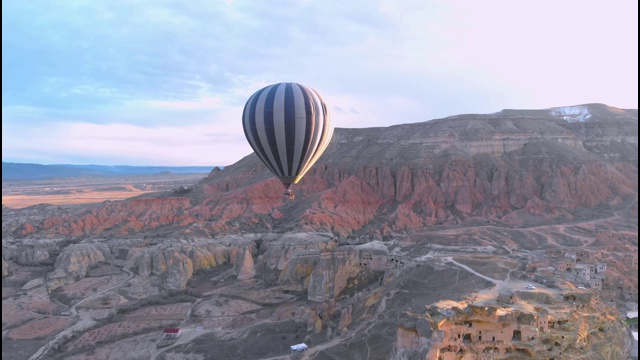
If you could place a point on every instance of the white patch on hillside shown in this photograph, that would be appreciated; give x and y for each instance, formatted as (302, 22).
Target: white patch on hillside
(373, 245)
(572, 113)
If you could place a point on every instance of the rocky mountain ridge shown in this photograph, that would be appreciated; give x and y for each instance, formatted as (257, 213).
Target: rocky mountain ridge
(408, 242)
(380, 181)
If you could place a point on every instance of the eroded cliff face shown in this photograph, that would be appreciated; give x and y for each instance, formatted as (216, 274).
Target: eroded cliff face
(26, 255)
(76, 259)
(5, 268)
(314, 261)
(329, 277)
(320, 265)
(380, 181)
(589, 330)
(176, 263)
(366, 299)
(32, 257)
(244, 266)
(374, 200)
(297, 264)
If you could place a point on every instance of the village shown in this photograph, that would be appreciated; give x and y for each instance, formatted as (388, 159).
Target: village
(586, 269)
(514, 297)
(556, 271)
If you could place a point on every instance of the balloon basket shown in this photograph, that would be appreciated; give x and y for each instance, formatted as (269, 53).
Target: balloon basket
(289, 195)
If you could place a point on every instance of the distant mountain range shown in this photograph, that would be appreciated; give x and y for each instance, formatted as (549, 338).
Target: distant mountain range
(25, 171)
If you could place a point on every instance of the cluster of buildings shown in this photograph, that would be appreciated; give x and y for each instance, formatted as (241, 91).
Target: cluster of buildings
(465, 333)
(569, 266)
(577, 268)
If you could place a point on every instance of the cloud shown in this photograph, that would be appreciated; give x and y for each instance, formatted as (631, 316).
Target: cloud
(159, 66)
(138, 133)
(209, 144)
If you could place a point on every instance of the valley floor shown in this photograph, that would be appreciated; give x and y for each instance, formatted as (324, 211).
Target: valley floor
(367, 304)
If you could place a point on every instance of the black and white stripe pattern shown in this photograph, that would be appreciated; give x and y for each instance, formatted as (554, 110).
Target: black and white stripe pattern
(288, 126)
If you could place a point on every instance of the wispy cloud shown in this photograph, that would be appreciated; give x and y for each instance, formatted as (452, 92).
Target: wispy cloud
(156, 68)
(213, 144)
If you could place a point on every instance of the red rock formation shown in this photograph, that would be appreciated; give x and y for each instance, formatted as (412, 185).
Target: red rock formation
(386, 180)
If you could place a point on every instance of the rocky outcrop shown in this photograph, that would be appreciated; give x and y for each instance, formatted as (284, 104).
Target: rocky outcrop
(299, 267)
(382, 181)
(23, 253)
(32, 256)
(153, 260)
(496, 332)
(244, 267)
(330, 276)
(5, 268)
(176, 262)
(76, 259)
(313, 260)
(323, 267)
(179, 269)
(345, 317)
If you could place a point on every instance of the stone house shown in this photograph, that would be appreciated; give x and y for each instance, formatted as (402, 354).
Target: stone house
(582, 272)
(564, 265)
(483, 328)
(475, 332)
(596, 282)
(506, 297)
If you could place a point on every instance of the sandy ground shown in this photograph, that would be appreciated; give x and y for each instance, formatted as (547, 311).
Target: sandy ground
(234, 310)
(68, 191)
(39, 328)
(21, 201)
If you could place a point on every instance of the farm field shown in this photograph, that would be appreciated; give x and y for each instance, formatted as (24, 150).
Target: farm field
(70, 191)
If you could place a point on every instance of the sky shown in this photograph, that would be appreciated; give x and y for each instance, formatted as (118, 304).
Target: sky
(164, 82)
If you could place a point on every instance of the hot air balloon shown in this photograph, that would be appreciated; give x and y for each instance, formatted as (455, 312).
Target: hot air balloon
(288, 126)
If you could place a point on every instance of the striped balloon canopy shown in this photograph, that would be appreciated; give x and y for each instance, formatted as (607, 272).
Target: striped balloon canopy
(288, 126)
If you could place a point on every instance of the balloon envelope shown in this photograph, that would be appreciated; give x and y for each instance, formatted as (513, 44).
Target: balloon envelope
(288, 126)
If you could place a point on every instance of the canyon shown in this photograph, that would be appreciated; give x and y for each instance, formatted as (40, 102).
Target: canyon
(415, 241)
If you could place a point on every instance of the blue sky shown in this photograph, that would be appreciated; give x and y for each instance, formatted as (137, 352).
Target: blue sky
(159, 82)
